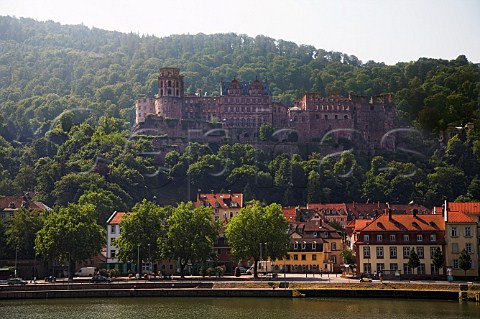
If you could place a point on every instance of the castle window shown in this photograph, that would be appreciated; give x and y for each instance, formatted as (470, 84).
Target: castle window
(178, 93)
(336, 116)
(169, 91)
(326, 116)
(169, 83)
(346, 117)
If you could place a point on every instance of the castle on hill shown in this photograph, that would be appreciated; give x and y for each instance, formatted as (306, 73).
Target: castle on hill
(242, 108)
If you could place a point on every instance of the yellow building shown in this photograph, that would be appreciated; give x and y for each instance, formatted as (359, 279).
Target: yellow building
(315, 247)
(460, 234)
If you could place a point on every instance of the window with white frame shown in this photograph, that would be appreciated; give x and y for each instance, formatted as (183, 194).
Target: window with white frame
(295, 245)
(406, 237)
(468, 231)
(366, 238)
(468, 248)
(314, 245)
(433, 237)
(112, 253)
(304, 245)
(453, 232)
(406, 269)
(406, 252)
(420, 252)
(419, 237)
(432, 251)
(455, 264)
(113, 229)
(393, 237)
(334, 246)
(380, 267)
(379, 252)
(334, 259)
(379, 238)
(393, 266)
(393, 252)
(366, 252)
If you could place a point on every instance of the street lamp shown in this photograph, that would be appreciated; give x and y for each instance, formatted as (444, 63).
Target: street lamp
(16, 253)
(35, 264)
(149, 259)
(138, 261)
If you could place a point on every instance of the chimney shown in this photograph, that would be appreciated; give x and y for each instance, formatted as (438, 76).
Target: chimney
(445, 211)
(389, 214)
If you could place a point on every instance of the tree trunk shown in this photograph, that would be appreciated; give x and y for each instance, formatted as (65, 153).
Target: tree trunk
(71, 268)
(255, 272)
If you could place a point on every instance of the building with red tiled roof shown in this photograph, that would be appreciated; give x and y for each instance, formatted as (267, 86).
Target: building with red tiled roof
(331, 212)
(461, 233)
(113, 232)
(315, 246)
(384, 245)
(224, 205)
(10, 204)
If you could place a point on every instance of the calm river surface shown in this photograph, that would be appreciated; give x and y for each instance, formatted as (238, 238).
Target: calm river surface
(260, 308)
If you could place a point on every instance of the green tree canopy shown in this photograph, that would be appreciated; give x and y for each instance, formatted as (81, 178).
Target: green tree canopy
(413, 260)
(256, 226)
(142, 232)
(191, 235)
(464, 261)
(70, 234)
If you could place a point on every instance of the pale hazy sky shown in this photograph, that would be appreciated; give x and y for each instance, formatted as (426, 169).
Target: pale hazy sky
(387, 31)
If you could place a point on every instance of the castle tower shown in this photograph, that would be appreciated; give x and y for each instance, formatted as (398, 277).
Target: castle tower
(170, 93)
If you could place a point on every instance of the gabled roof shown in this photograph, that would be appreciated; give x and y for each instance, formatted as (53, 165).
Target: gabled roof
(339, 209)
(17, 202)
(406, 222)
(220, 200)
(290, 213)
(116, 218)
(361, 224)
(459, 217)
(471, 208)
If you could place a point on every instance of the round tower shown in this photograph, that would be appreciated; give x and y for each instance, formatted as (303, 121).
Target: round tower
(170, 93)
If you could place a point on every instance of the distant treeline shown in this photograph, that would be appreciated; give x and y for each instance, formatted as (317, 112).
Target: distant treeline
(47, 69)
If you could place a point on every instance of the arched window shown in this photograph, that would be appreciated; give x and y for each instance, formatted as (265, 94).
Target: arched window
(169, 83)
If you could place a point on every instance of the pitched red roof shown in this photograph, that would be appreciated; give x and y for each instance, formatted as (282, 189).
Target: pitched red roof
(459, 217)
(17, 202)
(220, 200)
(406, 222)
(116, 218)
(361, 224)
(336, 207)
(471, 208)
(290, 213)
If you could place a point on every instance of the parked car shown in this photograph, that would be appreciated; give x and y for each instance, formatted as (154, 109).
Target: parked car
(101, 279)
(365, 278)
(243, 270)
(16, 281)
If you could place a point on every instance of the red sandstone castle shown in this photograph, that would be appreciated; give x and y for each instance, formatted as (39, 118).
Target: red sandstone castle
(242, 107)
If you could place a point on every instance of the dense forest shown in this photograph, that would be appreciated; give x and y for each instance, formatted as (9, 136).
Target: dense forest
(67, 96)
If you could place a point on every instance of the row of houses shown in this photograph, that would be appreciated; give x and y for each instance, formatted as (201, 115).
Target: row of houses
(381, 236)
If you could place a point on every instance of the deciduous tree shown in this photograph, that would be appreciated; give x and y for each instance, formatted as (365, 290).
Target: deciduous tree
(256, 226)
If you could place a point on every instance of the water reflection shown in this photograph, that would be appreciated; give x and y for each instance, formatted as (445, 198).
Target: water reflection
(265, 308)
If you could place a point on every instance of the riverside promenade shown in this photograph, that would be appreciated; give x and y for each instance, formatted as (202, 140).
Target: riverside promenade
(292, 285)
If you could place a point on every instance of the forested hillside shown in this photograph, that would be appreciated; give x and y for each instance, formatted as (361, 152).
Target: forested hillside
(87, 155)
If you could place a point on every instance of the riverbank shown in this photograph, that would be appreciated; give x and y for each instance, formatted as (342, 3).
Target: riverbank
(241, 289)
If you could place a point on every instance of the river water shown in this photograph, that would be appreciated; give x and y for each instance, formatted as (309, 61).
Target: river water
(251, 308)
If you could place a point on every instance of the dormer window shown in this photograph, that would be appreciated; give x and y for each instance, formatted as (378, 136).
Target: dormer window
(304, 245)
(314, 245)
(295, 245)
(315, 234)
